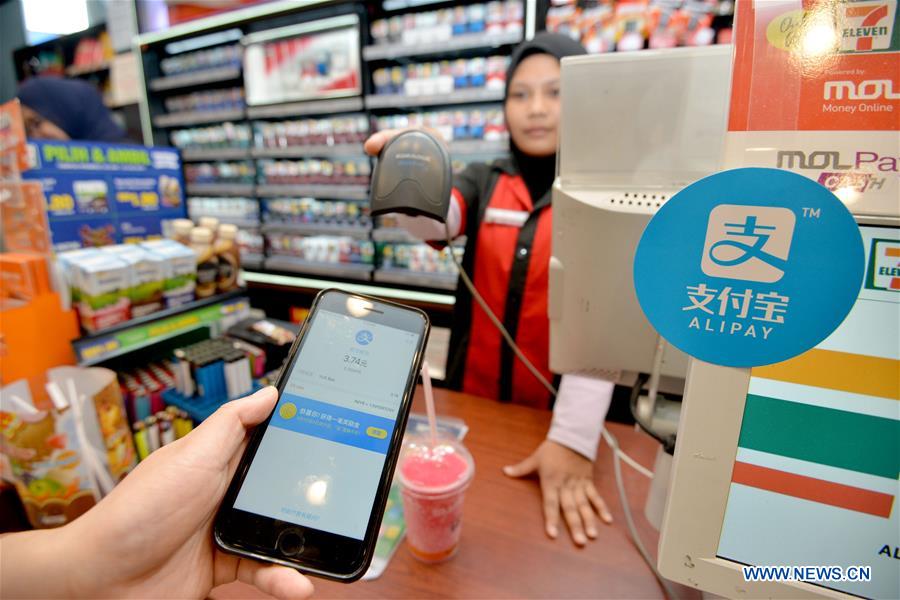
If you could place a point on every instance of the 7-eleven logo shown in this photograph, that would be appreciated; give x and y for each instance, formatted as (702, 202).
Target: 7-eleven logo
(884, 266)
(867, 26)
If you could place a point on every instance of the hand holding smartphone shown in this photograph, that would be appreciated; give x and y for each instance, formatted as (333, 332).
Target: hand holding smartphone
(311, 487)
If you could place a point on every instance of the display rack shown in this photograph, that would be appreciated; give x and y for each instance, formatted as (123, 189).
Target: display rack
(202, 154)
(256, 23)
(308, 150)
(194, 79)
(199, 408)
(156, 327)
(354, 231)
(308, 107)
(237, 190)
(292, 264)
(464, 96)
(335, 192)
(196, 117)
(470, 41)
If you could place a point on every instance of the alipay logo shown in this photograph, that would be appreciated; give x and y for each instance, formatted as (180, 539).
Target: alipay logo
(364, 337)
(750, 243)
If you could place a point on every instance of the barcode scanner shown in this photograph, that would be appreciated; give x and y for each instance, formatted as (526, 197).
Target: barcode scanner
(413, 177)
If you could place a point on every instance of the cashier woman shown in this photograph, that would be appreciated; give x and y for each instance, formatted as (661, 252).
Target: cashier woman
(503, 208)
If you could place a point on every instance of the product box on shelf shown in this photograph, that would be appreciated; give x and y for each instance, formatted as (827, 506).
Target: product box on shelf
(146, 277)
(23, 275)
(100, 283)
(99, 194)
(306, 65)
(179, 269)
(213, 137)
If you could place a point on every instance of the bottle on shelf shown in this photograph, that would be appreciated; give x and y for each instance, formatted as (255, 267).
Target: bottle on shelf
(229, 257)
(211, 223)
(207, 261)
(182, 231)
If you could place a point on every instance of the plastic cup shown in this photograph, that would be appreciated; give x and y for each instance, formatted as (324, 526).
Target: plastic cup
(433, 480)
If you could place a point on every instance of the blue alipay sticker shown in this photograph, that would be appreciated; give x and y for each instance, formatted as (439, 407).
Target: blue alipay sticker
(749, 267)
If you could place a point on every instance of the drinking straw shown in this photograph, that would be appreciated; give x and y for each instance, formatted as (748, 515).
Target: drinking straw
(429, 402)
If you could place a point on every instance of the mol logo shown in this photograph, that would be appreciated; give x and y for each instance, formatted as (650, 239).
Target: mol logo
(819, 159)
(867, 26)
(874, 89)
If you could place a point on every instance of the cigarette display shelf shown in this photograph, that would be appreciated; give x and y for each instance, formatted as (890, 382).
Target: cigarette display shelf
(195, 78)
(334, 192)
(463, 96)
(197, 117)
(270, 17)
(395, 235)
(199, 408)
(309, 150)
(200, 154)
(440, 281)
(292, 264)
(354, 231)
(141, 332)
(220, 189)
(240, 223)
(470, 41)
(326, 106)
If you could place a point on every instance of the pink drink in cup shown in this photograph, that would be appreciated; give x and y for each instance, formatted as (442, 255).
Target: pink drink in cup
(433, 480)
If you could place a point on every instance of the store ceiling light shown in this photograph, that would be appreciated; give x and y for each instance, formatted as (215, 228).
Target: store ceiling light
(55, 16)
(204, 41)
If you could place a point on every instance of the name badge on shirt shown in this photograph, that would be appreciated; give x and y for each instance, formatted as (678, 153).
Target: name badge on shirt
(504, 216)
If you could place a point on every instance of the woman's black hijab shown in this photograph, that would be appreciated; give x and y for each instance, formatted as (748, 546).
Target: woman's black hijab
(538, 171)
(73, 105)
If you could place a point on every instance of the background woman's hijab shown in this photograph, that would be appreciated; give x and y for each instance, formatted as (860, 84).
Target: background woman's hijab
(538, 171)
(73, 105)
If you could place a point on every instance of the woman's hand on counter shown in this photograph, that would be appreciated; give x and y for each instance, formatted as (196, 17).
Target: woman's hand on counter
(567, 486)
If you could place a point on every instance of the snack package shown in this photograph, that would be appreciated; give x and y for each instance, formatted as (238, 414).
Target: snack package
(44, 459)
(104, 418)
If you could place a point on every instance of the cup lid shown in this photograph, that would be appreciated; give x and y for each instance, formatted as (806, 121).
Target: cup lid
(434, 468)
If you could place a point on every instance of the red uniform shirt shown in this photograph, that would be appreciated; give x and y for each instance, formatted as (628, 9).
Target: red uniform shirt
(510, 253)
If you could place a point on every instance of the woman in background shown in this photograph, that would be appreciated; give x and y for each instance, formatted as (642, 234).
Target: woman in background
(66, 109)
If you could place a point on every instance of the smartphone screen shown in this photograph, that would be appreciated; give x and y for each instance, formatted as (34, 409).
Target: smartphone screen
(321, 458)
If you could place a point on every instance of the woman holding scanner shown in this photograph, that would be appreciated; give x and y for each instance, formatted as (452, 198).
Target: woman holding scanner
(503, 208)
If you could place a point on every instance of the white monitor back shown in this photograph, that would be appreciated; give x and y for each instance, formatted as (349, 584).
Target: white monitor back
(635, 129)
(649, 119)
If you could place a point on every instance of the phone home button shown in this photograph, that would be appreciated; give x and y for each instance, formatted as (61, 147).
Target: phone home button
(290, 541)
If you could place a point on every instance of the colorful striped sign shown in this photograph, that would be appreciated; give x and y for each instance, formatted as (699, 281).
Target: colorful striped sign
(855, 373)
(837, 438)
(847, 497)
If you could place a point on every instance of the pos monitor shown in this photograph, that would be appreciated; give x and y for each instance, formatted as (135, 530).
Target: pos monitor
(797, 463)
(635, 129)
